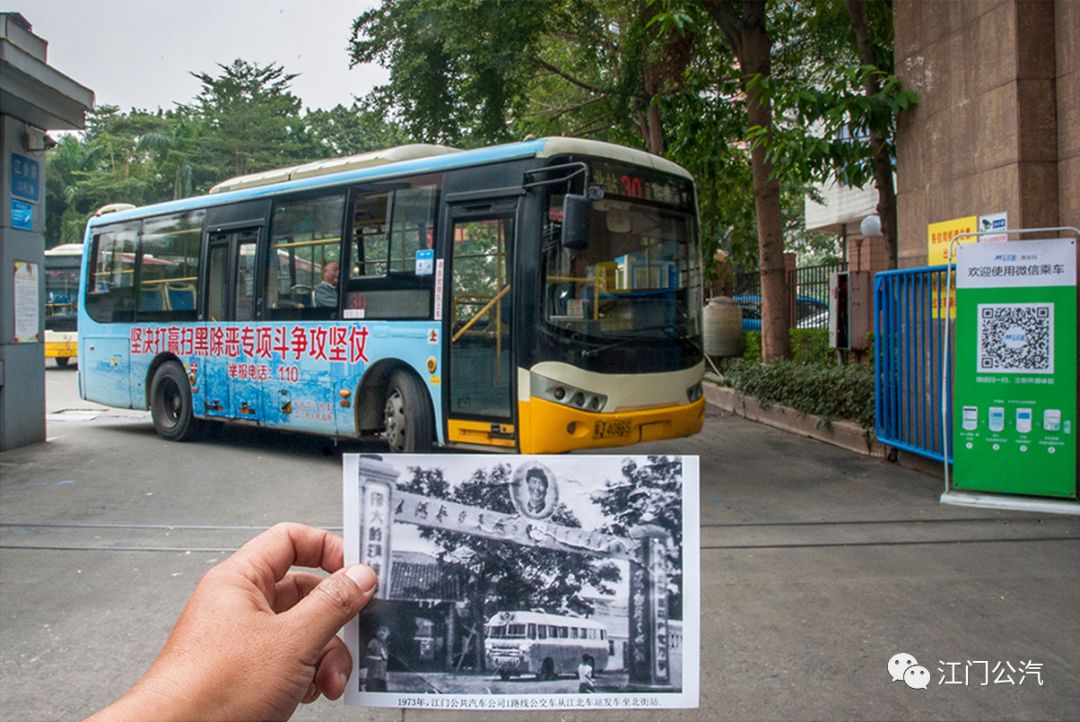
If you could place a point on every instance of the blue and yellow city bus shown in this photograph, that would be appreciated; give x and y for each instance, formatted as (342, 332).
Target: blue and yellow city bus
(61, 300)
(538, 297)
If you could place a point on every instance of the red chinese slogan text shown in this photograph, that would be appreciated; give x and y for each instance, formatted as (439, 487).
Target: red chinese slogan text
(340, 344)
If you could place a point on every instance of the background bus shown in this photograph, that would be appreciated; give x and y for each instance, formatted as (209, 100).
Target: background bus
(546, 645)
(61, 302)
(539, 296)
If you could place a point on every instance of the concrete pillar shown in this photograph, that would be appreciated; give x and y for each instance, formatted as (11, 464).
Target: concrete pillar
(649, 643)
(377, 481)
(22, 251)
(34, 97)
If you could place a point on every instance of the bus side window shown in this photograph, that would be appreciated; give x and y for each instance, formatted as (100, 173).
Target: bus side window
(542, 631)
(303, 270)
(573, 633)
(391, 265)
(169, 266)
(532, 631)
(110, 294)
(603, 634)
(370, 241)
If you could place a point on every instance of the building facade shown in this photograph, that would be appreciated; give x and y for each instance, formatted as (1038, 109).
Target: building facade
(997, 126)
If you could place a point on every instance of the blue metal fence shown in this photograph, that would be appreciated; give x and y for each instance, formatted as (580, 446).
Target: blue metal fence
(910, 323)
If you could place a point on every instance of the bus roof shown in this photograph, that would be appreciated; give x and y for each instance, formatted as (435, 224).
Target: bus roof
(424, 160)
(65, 249)
(525, 617)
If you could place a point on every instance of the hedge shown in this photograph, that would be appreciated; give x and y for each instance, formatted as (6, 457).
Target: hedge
(825, 390)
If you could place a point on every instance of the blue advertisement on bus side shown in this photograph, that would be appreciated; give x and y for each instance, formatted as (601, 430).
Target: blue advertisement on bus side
(293, 375)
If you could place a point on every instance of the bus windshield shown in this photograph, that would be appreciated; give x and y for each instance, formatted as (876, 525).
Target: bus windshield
(61, 289)
(636, 277)
(507, 631)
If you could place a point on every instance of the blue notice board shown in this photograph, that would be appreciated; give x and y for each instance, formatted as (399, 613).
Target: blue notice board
(22, 216)
(25, 177)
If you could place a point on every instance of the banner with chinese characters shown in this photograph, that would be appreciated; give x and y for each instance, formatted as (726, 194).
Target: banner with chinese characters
(1014, 421)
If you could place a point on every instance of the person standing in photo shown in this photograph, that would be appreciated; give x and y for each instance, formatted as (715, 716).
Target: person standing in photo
(585, 675)
(378, 655)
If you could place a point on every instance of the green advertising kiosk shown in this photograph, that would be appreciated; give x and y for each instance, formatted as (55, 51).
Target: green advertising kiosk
(1014, 408)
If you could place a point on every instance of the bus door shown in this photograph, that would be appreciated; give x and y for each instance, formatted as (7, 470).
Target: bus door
(477, 326)
(230, 377)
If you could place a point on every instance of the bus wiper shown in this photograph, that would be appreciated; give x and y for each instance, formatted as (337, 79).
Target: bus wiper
(620, 341)
(624, 340)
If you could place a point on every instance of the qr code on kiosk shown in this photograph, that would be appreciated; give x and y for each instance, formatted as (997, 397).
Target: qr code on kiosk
(1016, 338)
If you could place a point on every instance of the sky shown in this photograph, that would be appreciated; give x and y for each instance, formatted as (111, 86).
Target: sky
(140, 54)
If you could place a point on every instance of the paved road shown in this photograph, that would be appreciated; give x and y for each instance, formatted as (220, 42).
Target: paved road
(817, 566)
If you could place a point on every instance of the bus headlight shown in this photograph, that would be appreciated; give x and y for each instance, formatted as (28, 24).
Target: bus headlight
(565, 394)
(694, 392)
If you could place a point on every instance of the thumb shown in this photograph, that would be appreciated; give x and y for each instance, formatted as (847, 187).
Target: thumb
(332, 603)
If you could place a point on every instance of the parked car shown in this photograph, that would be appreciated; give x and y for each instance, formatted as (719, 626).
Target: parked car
(809, 312)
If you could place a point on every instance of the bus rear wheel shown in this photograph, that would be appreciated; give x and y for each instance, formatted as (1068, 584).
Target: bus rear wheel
(170, 404)
(407, 418)
(547, 669)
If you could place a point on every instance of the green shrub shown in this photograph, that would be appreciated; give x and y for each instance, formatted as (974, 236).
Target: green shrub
(751, 343)
(828, 391)
(808, 346)
(811, 346)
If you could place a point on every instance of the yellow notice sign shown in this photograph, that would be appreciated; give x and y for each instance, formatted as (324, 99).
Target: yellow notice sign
(938, 236)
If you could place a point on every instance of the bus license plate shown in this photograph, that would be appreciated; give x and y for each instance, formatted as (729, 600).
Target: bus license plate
(609, 429)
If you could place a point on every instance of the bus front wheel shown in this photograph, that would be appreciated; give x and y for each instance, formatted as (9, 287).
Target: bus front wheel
(62, 361)
(407, 419)
(170, 404)
(547, 669)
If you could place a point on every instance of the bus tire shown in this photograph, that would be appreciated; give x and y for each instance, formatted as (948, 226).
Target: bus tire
(170, 404)
(504, 675)
(547, 669)
(407, 417)
(62, 361)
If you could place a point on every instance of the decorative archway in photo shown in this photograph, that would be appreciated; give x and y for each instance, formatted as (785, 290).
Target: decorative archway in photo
(382, 504)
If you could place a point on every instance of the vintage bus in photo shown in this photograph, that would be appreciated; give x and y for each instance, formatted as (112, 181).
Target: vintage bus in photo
(537, 297)
(544, 645)
(62, 265)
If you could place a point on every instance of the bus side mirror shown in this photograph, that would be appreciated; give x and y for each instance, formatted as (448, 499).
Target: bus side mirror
(575, 225)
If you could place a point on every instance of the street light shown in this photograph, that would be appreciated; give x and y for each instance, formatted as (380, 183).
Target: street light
(870, 226)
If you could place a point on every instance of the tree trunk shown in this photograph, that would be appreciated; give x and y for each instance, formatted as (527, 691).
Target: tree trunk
(652, 128)
(879, 148)
(750, 40)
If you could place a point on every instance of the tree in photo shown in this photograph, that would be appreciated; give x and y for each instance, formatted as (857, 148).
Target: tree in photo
(650, 494)
(504, 576)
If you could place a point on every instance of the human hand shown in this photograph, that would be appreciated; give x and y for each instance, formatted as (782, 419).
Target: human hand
(255, 639)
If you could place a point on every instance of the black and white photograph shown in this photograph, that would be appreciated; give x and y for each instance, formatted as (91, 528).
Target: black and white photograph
(524, 582)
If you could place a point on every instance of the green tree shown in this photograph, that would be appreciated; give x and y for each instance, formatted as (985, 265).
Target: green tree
(494, 573)
(67, 206)
(841, 100)
(342, 131)
(456, 66)
(252, 117)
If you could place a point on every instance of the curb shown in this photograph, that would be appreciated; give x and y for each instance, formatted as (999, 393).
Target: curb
(844, 434)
